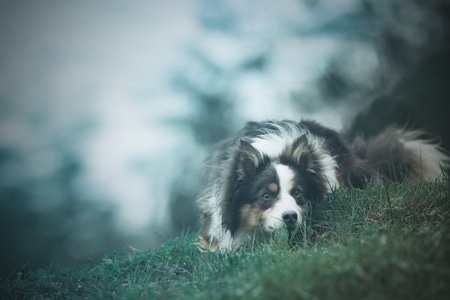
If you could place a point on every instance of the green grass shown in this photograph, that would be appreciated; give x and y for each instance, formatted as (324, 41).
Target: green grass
(380, 243)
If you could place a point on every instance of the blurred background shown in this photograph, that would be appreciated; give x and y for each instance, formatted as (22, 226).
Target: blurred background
(108, 108)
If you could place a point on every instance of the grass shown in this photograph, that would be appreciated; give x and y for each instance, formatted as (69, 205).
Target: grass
(385, 242)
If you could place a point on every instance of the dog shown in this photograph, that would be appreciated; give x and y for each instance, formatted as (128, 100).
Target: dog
(266, 177)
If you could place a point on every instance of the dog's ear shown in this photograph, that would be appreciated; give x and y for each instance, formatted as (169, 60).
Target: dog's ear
(298, 153)
(249, 159)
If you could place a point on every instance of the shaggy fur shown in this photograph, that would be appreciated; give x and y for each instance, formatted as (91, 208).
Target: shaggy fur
(265, 177)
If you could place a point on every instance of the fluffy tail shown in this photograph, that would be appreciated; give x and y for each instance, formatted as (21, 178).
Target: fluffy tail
(397, 153)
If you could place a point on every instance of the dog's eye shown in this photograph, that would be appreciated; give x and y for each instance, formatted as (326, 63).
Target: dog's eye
(267, 196)
(297, 193)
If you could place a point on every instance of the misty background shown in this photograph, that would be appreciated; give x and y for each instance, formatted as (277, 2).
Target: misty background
(108, 108)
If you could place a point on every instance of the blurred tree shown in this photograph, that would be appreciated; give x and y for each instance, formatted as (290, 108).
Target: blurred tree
(47, 220)
(419, 100)
(414, 50)
(410, 85)
(216, 15)
(212, 119)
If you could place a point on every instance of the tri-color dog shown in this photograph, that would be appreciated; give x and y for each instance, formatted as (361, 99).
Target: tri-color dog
(265, 177)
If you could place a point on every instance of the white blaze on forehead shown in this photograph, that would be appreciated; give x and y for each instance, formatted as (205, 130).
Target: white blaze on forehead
(286, 176)
(285, 202)
(272, 144)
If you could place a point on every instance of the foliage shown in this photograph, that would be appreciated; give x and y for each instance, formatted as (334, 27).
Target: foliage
(386, 242)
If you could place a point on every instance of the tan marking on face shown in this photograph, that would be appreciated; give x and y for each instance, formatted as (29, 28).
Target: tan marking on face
(248, 217)
(291, 186)
(305, 208)
(273, 188)
(263, 215)
(252, 217)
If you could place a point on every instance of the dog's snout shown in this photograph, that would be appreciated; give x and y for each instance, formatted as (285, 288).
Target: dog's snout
(290, 217)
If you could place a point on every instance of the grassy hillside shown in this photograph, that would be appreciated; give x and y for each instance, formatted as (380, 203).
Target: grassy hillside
(385, 242)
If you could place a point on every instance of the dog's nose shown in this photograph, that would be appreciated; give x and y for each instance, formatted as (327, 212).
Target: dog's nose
(290, 217)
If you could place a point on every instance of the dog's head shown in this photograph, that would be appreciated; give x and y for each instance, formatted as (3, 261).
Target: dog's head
(271, 193)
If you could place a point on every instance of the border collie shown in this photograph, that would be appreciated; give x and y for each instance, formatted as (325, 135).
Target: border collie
(265, 177)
